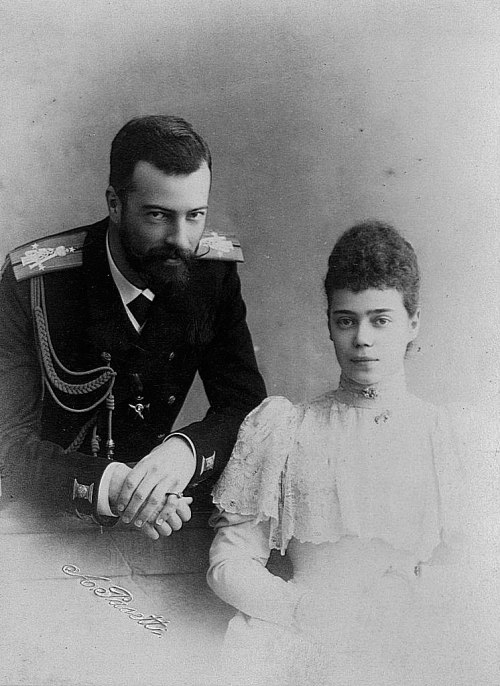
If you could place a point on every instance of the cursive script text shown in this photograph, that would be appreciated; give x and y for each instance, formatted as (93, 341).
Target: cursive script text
(119, 598)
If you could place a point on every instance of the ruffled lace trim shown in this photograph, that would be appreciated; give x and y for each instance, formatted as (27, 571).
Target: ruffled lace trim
(279, 471)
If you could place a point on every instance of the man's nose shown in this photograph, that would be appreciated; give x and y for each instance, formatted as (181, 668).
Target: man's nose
(363, 335)
(178, 233)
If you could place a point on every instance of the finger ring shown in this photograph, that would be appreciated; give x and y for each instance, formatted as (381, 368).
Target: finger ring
(179, 495)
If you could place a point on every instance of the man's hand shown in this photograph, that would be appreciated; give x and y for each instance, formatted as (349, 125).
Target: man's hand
(120, 473)
(166, 470)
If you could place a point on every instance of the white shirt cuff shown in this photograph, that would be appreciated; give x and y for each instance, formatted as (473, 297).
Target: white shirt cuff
(103, 507)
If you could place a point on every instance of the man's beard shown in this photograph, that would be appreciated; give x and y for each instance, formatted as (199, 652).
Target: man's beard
(170, 280)
(158, 275)
(153, 268)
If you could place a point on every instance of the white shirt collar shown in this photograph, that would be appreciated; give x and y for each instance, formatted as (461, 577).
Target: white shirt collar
(127, 290)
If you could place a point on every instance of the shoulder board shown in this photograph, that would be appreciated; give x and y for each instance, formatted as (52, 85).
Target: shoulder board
(220, 245)
(50, 254)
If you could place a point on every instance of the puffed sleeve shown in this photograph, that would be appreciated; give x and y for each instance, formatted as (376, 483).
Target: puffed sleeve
(248, 523)
(255, 479)
(475, 438)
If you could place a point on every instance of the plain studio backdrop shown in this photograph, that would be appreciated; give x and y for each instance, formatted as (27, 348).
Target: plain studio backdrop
(319, 114)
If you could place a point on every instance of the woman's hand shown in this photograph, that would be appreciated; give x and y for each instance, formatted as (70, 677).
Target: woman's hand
(173, 515)
(325, 615)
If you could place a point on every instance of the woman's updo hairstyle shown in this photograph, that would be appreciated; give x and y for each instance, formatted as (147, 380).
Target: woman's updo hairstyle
(374, 255)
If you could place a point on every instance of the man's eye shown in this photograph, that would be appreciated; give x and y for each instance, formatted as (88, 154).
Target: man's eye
(382, 321)
(156, 214)
(199, 214)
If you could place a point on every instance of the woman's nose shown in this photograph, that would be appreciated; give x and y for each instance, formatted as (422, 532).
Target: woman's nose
(363, 335)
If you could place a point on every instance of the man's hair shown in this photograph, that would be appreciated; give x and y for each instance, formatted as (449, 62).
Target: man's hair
(169, 143)
(374, 255)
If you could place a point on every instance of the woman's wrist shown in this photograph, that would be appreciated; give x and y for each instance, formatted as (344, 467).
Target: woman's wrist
(315, 617)
(304, 612)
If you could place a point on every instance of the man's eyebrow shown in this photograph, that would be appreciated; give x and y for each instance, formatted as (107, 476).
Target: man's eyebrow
(169, 209)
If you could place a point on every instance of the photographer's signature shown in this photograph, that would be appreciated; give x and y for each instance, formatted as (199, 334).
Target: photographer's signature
(119, 598)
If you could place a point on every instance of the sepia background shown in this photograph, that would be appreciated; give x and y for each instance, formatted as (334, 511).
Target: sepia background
(319, 114)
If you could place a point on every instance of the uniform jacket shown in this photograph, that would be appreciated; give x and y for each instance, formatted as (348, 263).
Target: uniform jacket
(203, 330)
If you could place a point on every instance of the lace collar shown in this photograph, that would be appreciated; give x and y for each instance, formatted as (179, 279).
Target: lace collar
(387, 394)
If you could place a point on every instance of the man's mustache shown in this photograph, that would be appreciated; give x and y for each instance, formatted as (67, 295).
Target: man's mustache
(167, 253)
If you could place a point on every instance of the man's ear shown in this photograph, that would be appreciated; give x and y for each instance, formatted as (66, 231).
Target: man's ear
(114, 204)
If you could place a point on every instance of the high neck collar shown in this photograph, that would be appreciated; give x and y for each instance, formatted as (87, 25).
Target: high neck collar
(385, 393)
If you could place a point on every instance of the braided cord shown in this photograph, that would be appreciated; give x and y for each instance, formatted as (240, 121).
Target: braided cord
(80, 437)
(83, 409)
(48, 355)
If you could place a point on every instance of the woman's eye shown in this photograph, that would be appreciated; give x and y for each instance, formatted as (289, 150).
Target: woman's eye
(344, 323)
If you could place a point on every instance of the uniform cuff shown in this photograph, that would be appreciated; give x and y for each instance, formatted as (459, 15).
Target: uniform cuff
(84, 492)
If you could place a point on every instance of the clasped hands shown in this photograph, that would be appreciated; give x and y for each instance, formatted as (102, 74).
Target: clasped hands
(146, 495)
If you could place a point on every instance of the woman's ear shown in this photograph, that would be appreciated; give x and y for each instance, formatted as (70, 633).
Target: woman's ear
(329, 324)
(415, 324)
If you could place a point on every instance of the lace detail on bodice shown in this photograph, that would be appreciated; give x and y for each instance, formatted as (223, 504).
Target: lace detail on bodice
(323, 470)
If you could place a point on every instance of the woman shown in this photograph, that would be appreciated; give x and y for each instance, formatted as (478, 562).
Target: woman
(365, 489)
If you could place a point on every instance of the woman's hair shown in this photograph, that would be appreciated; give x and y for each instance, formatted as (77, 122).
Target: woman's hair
(374, 255)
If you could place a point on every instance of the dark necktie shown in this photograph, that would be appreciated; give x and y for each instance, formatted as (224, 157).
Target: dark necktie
(139, 307)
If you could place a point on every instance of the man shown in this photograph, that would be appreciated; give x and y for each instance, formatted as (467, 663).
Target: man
(102, 330)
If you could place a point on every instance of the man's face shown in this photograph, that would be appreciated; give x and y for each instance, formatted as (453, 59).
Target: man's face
(159, 223)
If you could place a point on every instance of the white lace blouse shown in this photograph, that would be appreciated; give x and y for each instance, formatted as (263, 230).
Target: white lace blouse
(381, 467)
(389, 509)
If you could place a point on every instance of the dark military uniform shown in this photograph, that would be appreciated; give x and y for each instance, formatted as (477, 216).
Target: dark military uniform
(64, 316)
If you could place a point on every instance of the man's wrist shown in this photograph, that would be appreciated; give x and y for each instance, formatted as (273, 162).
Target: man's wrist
(187, 442)
(204, 465)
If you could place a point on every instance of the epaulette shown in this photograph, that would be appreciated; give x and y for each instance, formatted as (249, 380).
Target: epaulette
(219, 245)
(49, 254)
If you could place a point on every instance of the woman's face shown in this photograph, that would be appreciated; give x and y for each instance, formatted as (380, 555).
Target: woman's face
(371, 331)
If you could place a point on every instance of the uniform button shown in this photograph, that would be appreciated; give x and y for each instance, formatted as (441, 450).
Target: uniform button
(171, 400)
(171, 357)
